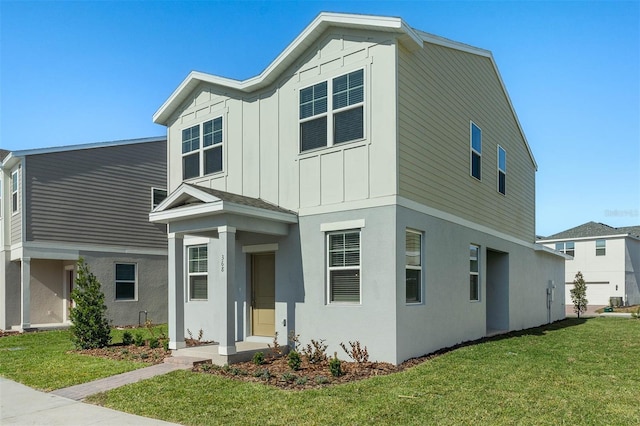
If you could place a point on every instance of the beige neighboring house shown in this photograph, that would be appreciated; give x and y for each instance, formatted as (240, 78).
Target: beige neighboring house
(373, 183)
(608, 257)
(91, 201)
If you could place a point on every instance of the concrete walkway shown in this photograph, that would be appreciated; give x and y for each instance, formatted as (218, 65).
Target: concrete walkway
(21, 405)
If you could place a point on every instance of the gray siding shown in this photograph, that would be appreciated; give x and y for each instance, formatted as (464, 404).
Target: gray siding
(439, 91)
(96, 196)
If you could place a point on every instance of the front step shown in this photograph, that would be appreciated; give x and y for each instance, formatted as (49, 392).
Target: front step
(188, 361)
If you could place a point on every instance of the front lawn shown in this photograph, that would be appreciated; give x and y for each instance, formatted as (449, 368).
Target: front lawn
(575, 372)
(42, 360)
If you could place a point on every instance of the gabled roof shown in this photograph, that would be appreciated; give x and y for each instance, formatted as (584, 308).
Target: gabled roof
(193, 201)
(410, 37)
(594, 229)
(3, 153)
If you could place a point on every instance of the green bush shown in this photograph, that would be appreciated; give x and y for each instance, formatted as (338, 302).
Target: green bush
(258, 358)
(127, 338)
(90, 327)
(294, 360)
(138, 339)
(335, 366)
(154, 343)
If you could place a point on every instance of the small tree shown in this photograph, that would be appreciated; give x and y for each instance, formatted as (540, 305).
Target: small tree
(90, 327)
(579, 294)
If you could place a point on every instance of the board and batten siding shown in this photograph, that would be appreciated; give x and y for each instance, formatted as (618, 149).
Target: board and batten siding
(261, 157)
(16, 218)
(440, 90)
(98, 196)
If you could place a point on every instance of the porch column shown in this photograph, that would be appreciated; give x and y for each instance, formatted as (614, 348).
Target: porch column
(225, 290)
(176, 291)
(25, 293)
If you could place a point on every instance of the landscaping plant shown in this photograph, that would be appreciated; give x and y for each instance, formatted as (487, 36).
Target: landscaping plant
(90, 327)
(579, 294)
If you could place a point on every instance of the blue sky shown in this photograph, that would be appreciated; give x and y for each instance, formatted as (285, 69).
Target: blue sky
(79, 72)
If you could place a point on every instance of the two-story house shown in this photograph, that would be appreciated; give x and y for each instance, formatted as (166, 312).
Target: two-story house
(91, 201)
(608, 257)
(372, 183)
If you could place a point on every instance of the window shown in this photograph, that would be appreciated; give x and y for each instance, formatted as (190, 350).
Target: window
(14, 192)
(601, 247)
(157, 196)
(198, 273)
(502, 170)
(344, 109)
(125, 281)
(0, 195)
(476, 151)
(413, 255)
(343, 259)
(474, 273)
(206, 156)
(567, 248)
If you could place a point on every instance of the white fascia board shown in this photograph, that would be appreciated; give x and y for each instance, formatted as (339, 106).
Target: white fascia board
(10, 161)
(602, 237)
(185, 189)
(219, 207)
(78, 147)
(285, 58)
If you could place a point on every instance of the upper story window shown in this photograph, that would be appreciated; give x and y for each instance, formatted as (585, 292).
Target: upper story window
(413, 268)
(329, 120)
(475, 142)
(502, 170)
(14, 192)
(202, 157)
(601, 247)
(157, 196)
(567, 248)
(343, 258)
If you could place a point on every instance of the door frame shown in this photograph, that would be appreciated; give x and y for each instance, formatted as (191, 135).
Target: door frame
(252, 293)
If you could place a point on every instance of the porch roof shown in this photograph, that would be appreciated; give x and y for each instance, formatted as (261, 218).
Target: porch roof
(195, 208)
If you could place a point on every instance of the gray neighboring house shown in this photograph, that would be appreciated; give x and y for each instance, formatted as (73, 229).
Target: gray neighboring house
(608, 257)
(373, 183)
(90, 201)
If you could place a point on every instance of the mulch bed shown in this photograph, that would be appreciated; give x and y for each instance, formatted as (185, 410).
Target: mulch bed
(134, 353)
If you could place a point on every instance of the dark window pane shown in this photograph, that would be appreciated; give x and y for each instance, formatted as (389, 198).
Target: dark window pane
(198, 287)
(213, 160)
(313, 134)
(190, 166)
(502, 183)
(476, 138)
(125, 272)
(340, 100)
(158, 196)
(306, 95)
(475, 165)
(413, 285)
(340, 84)
(474, 291)
(125, 290)
(345, 286)
(348, 125)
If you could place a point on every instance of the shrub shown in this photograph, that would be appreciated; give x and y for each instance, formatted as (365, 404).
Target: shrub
(276, 349)
(127, 338)
(154, 343)
(315, 351)
(357, 353)
(321, 380)
(294, 341)
(288, 377)
(138, 339)
(335, 366)
(302, 380)
(294, 360)
(258, 358)
(165, 345)
(90, 327)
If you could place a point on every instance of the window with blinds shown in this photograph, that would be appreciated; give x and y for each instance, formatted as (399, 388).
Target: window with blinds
(125, 281)
(343, 256)
(413, 256)
(205, 156)
(197, 271)
(344, 109)
(475, 143)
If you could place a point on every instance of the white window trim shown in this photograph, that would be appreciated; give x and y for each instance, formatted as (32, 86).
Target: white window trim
(564, 249)
(201, 148)
(416, 268)
(604, 247)
(330, 113)
(193, 274)
(15, 177)
(343, 268)
(478, 274)
(500, 148)
(472, 150)
(116, 281)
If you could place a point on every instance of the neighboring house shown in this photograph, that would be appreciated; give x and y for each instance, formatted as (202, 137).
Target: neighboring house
(372, 183)
(608, 257)
(90, 201)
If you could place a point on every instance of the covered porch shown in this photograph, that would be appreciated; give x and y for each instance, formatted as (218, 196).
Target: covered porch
(216, 243)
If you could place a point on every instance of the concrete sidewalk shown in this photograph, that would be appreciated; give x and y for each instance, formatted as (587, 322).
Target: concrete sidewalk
(21, 405)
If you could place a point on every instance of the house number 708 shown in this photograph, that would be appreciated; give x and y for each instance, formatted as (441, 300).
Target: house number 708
(222, 263)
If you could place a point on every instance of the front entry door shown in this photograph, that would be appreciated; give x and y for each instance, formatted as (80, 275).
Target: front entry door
(263, 294)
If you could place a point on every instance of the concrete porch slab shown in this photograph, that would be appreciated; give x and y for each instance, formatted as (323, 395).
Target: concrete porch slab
(245, 352)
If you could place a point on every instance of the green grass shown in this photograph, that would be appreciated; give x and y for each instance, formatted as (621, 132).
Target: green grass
(40, 360)
(573, 372)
